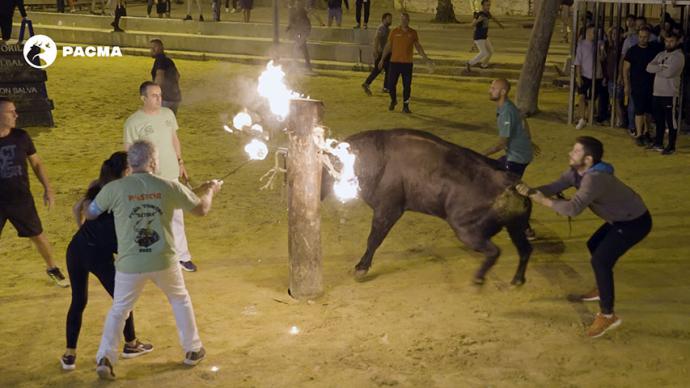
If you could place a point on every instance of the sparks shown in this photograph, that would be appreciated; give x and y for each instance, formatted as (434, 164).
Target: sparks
(256, 149)
(294, 330)
(241, 120)
(227, 129)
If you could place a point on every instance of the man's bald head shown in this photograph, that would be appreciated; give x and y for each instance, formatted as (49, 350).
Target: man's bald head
(499, 89)
(503, 83)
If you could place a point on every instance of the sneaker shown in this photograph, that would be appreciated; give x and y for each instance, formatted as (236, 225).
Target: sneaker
(406, 108)
(193, 358)
(366, 89)
(68, 362)
(188, 266)
(139, 349)
(656, 148)
(591, 296)
(58, 277)
(581, 124)
(391, 107)
(201, 18)
(529, 233)
(188, 17)
(365, 26)
(602, 324)
(632, 132)
(105, 369)
(468, 69)
(228, 10)
(668, 151)
(484, 66)
(235, 10)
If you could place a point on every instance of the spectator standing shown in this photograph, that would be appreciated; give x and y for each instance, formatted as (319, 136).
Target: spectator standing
(589, 75)
(335, 11)
(189, 10)
(400, 46)
(359, 4)
(615, 88)
(481, 37)
(7, 14)
(299, 28)
(246, 6)
(164, 73)
(159, 125)
(639, 82)
(120, 11)
(16, 201)
(667, 68)
(379, 44)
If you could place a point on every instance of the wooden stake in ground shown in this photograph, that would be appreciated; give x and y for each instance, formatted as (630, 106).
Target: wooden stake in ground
(304, 200)
(535, 59)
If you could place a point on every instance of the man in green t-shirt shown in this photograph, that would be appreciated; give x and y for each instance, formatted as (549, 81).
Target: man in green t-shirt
(158, 125)
(143, 205)
(514, 135)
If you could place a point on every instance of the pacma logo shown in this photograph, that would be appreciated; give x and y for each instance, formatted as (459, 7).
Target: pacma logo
(40, 51)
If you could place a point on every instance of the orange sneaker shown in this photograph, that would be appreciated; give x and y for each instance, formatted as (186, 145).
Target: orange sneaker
(602, 324)
(591, 296)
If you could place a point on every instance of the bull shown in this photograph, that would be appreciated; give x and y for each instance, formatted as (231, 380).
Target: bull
(405, 169)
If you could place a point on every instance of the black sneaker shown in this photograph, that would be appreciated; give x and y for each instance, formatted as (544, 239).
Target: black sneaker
(139, 349)
(366, 89)
(391, 107)
(668, 151)
(193, 358)
(201, 18)
(188, 266)
(406, 109)
(58, 277)
(68, 362)
(105, 369)
(530, 234)
(188, 17)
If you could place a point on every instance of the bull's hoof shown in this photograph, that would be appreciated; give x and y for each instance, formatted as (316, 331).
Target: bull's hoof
(360, 273)
(479, 281)
(518, 281)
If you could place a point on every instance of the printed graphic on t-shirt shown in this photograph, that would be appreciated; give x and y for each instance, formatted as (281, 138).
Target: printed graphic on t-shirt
(145, 215)
(7, 167)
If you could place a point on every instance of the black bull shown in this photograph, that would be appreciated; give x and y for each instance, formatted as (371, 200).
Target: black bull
(404, 169)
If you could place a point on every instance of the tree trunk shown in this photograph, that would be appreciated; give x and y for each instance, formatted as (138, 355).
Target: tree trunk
(445, 12)
(535, 59)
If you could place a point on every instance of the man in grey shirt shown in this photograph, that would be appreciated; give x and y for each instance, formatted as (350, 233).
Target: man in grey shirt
(627, 219)
(667, 68)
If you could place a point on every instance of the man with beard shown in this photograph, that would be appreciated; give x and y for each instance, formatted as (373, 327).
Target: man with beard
(627, 219)
(379, 43)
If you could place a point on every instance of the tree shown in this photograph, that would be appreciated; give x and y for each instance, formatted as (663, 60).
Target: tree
(535, 59)
(445, 12)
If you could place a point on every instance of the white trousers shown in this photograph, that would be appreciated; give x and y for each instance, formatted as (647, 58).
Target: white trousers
(485, 52)
(128, 287)
(180, 237)
(189, 6)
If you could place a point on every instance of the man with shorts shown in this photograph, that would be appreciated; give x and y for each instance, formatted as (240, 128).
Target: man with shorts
(589, 76)
(16, 202)
(639, 83)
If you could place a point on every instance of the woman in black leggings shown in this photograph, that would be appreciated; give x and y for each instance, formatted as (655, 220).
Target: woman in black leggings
(91, 250)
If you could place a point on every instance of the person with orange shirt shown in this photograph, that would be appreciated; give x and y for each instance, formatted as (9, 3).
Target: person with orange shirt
(401, 42)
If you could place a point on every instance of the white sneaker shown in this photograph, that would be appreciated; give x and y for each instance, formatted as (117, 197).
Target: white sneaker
(581, 124)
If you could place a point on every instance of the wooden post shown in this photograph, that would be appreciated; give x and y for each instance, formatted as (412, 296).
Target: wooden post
(304, 200)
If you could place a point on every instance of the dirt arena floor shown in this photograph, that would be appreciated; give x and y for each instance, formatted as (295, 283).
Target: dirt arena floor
(416, 321)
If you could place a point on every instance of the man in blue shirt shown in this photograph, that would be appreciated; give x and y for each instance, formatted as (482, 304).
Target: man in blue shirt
(514, 134)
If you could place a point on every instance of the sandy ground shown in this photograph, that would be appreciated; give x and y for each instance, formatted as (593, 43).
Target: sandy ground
(415, 321)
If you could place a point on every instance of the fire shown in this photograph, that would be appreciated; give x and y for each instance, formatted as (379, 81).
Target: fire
(257, 128)
(241, 120)
(347, 185)
(227, 129)
(272, 87)
(256, 149)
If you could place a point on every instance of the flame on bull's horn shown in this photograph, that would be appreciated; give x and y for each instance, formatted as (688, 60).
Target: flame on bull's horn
(272, 87)
(346, 187)
(256, 149)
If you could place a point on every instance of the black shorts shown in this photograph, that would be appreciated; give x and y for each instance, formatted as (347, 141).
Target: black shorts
(642, 100)
(586, 87)
(24, 218)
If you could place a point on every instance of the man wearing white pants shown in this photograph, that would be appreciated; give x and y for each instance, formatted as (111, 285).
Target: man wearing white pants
(158, 124)
(481, 37)
(142, 205)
